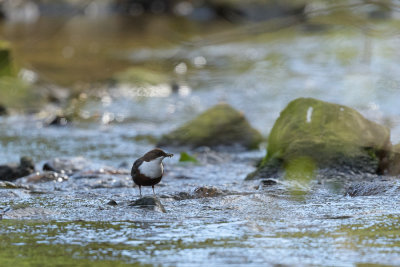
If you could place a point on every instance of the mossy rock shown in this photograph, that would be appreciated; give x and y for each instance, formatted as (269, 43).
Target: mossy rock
(220, 126)
(332, 135)
(6, 66)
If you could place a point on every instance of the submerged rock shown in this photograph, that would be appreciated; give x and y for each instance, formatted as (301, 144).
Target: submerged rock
(324, 135)
(11, 172)
(148, 202)
(219, 126)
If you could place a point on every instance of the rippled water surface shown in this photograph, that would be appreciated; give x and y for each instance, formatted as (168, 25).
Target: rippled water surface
(347, 59)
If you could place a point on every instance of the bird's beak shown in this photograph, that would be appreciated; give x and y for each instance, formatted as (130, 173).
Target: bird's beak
(170, 155)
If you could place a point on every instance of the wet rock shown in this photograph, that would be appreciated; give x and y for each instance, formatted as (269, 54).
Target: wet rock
(112, 202)
(207, 191)
(11, 172)
(326, 135)
(66, 165)
(57, 120)
(148, 202)
(220, 126)
(269, 182)
(371, 188)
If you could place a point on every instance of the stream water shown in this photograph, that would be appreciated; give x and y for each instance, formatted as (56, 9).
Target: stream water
(347, 60)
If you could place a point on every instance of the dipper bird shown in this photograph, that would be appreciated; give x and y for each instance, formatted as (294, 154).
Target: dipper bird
(148, 170)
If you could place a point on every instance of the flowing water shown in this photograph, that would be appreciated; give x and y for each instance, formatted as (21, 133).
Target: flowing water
(336, 57)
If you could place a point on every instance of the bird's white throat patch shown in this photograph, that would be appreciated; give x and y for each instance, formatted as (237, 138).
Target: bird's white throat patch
(152, 169)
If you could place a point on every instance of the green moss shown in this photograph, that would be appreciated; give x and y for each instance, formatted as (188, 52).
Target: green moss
(221, 125)
(185, 157)
(329, 134)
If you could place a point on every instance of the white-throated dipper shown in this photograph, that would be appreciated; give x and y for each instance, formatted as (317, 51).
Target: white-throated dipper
(148, 170)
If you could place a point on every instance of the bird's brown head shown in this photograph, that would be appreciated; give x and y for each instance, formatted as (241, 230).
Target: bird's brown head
(156, 153)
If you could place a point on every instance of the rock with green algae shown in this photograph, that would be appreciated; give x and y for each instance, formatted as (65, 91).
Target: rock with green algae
(330, 135)
(220, 126)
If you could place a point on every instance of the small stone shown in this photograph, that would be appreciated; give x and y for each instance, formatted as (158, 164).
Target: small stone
(58, 120)
(207, 191)
(151, 203)
(268, 182)
(112, 202)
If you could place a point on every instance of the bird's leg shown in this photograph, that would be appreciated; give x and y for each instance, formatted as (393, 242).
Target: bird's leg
(153, 190)
(140, 190)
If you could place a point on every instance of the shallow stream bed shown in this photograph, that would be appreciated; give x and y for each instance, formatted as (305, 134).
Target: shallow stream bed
(344, 60)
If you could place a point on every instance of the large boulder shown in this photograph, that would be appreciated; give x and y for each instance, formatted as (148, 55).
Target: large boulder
(327, 135)
(220, 126)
